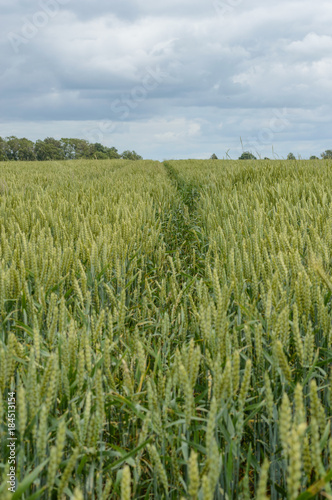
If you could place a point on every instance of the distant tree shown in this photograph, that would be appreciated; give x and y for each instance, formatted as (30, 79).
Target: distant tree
(74, 149)
(214, 157)
(54, 147)
(101, 152)
(131, 155)
(266, 158)
(247, 156)
(313, 157)
(49, 149)
(13, 147)
(82, 148)
(113, 153)
(68, 148)
(290, 156)
(99, 147)
(327, 155)
(26, 150)
(3, 150)
(97, 151)
(99, 155)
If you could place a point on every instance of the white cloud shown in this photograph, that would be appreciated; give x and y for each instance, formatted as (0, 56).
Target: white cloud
(177, 130)
(313, 46)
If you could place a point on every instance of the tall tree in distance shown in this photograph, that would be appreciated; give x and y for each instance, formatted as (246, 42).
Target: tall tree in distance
(26, 150)
(327, 155)
(3, 149)
(49, 149)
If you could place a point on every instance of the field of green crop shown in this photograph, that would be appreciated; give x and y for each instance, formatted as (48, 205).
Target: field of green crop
(166, 330)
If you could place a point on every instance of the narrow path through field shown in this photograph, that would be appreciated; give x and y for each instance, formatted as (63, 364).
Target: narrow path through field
(184, 231)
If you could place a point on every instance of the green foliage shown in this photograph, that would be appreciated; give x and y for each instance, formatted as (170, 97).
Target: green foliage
(75, 148)
(246, 155)
(15, 149)
(327, 155)
(3, 150)
(131, 155)
(49, 149)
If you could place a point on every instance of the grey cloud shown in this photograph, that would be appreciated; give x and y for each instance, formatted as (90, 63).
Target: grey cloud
(221, 69)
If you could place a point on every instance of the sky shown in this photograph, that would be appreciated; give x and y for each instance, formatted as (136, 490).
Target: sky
(174, 79)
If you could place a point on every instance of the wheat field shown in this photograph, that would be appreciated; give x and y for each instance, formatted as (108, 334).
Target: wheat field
(166, 329)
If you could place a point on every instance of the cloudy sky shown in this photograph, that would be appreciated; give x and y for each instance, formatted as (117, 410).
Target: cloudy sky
(174, 79)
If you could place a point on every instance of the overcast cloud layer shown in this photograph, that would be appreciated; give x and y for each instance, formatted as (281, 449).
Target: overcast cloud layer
(177, 79)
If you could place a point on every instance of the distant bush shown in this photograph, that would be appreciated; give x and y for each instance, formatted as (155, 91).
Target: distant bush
(131, 155)
(247, 156)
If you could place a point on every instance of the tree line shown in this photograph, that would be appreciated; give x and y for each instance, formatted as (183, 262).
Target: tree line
(14, 149)
(246, 155)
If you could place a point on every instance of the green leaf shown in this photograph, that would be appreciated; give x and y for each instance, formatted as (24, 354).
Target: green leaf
(315, 488)
(124, 458)
(37, 495)
(24, 327)
(24, 485)
(313, 366)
